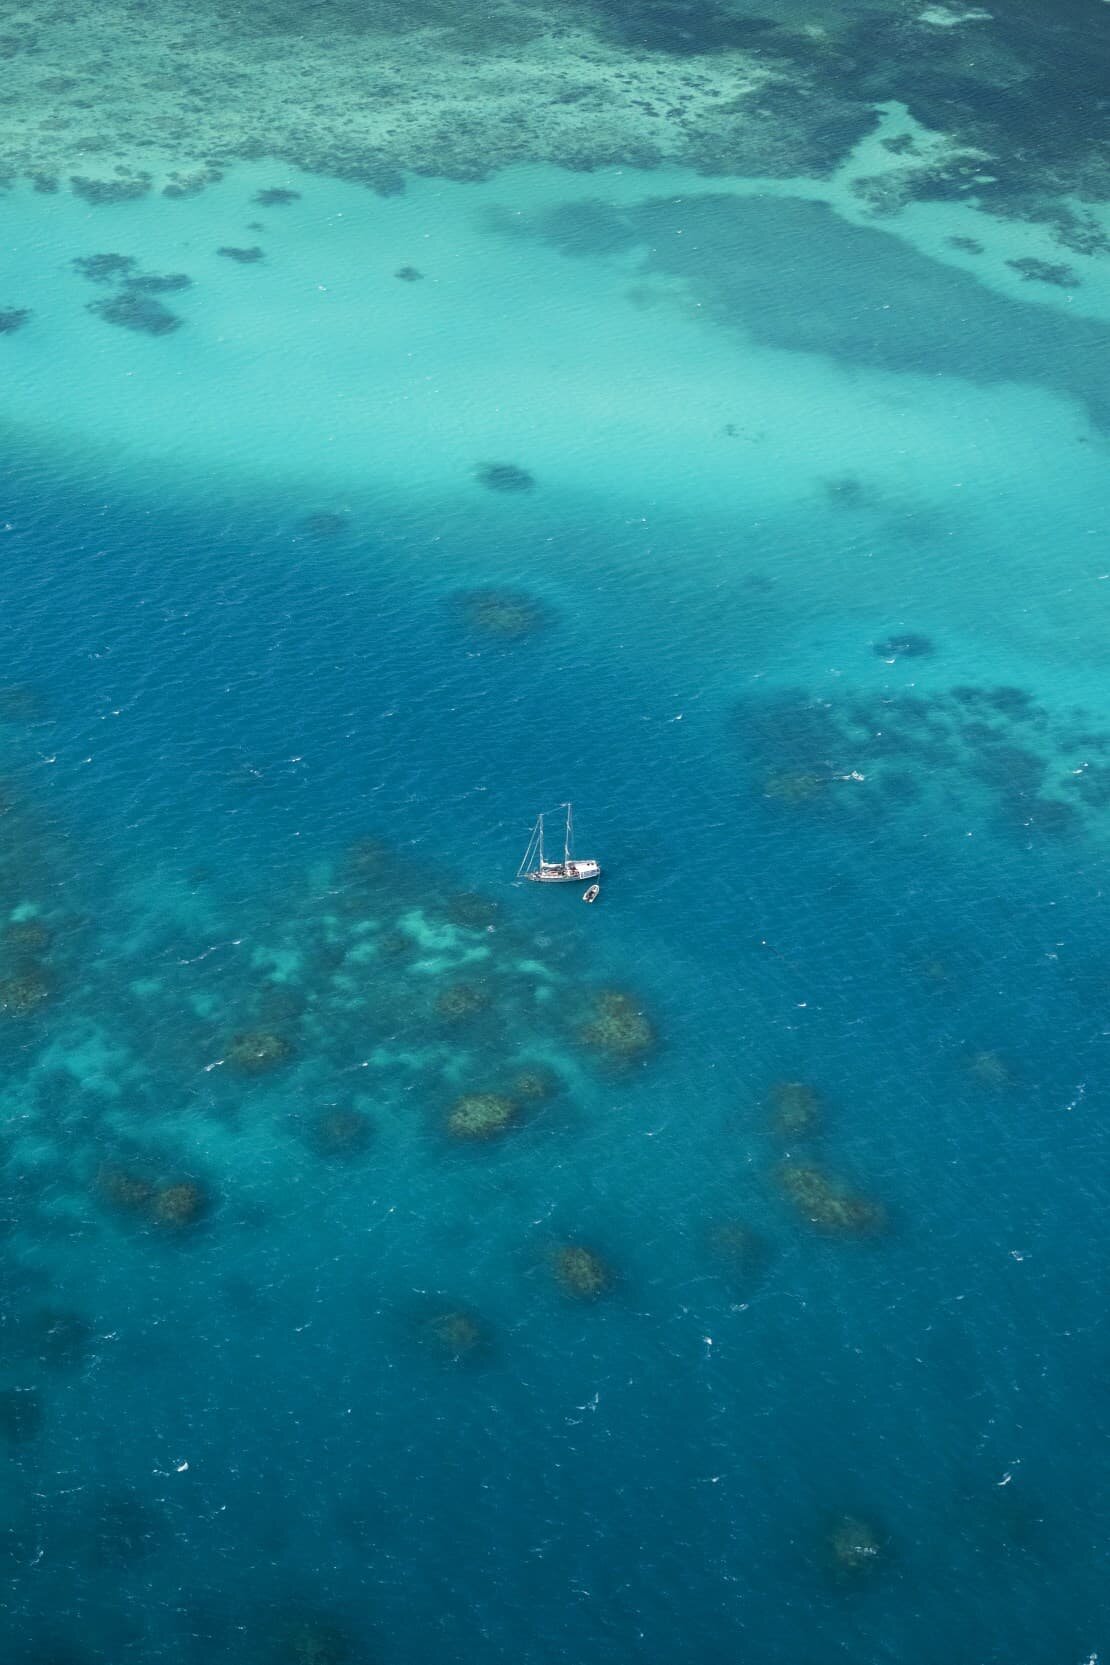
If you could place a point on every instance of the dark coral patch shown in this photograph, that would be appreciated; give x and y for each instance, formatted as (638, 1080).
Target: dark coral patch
(13, 318)
(99, 191)
(508, 614)
(103, 268)
(325, 524)
(152, 283)
(408, 274)
(504, 477)
(909, 646)
(275, 196)
(1044, 271)
(245, 257)
(136, 312)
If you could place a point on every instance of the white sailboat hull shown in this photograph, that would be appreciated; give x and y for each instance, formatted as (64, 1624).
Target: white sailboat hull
(564, 872)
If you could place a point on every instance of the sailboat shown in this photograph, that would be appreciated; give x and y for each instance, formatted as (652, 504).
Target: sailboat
(568, 871)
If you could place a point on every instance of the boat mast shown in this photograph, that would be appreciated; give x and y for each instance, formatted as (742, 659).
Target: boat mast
(567, 837)
(535, 846)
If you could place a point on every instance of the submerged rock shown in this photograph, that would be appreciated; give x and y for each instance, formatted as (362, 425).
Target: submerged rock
(275, 196)
(581, 1272)
(408, 274)
(245, 257)
(13, 318)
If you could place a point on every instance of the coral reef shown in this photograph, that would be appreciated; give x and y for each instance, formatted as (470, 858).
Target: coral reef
(989, 1069)
(481, 1116)
(504, 477)
(794, 787)
(275, 196)
(103, 268)
(853, 1546)
(462, 1000)
(182, 1204)
(867, 757)
(13, 318)
(325, 524)
(341, 1131)
(454, 1334)
(508, 614)
(245, 257)
(617, 1027)
(255, 1051)
(581, 1272)
(408, 274)
(136, 312)
(174, 1204)
(1045, 271)
(909, 646)
(827, 1204)
(99, 191)
(534, 1084)
(24, 993)
(795, 1109)
(154, 283)
(742, 1251)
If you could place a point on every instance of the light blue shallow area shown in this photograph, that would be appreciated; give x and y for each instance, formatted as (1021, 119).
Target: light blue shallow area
(736, 504)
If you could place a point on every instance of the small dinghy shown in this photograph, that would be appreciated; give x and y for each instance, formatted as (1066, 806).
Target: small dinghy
(592, 894)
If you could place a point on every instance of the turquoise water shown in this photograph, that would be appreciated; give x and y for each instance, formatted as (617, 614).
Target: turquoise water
(803, 601)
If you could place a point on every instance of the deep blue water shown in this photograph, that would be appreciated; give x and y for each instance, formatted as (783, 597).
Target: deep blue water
(650, 1475)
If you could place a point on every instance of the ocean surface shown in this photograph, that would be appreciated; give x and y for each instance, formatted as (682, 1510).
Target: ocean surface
(341, 534)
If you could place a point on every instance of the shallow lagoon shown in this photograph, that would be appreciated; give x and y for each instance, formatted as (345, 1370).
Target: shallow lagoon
(237, 652)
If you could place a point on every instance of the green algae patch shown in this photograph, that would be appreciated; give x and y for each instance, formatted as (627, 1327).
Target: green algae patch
(581, 1272)
(827, 1204)
(479, 1116)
